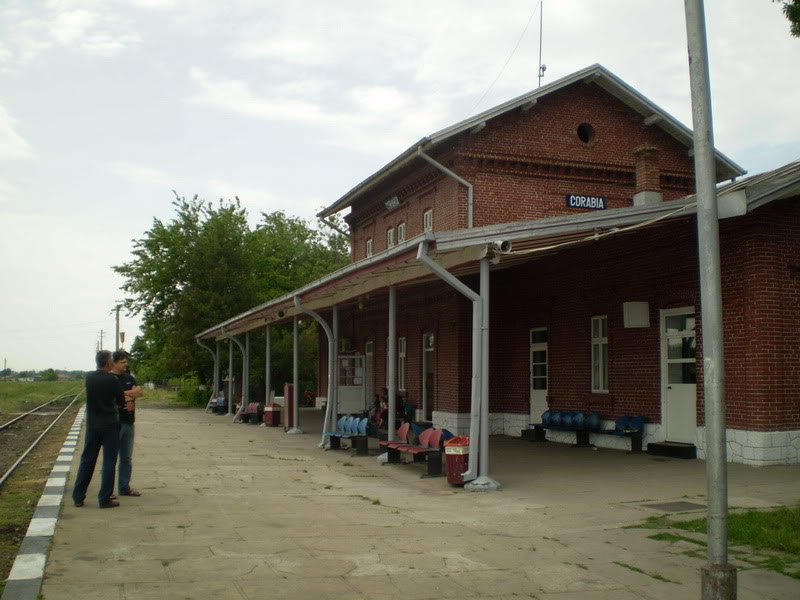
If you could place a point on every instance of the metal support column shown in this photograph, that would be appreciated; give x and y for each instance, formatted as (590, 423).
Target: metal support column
(391, 374)
(329, 408)
(245, 374)
(718, 577)
(217, 369)
(268, 365)
(484, 483)
(231, 388)
(333, 388)
(215, 356)
(296, 379)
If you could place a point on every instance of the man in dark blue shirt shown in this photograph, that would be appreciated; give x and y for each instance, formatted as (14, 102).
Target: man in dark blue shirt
(104, 396)
(127, 417)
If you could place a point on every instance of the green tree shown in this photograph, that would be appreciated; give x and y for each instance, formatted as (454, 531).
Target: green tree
(791, 8)
(49, 375)
(207, 265)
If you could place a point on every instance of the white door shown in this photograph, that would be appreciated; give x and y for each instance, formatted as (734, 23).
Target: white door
(351, 385)
(427, 377)
(538, 373)
(679, 374)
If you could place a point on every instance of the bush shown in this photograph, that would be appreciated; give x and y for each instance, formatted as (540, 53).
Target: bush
(192, 395)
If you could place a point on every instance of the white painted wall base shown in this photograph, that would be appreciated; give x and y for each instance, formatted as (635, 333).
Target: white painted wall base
(759, 448)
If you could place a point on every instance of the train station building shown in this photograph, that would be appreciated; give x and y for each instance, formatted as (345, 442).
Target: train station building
(542, 255)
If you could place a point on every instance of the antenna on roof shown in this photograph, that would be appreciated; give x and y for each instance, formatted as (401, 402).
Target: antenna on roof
(542, 68)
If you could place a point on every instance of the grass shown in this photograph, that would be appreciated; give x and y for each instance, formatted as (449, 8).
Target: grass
(638, 570)
(18, 395)
(161, 398)
(775, 530)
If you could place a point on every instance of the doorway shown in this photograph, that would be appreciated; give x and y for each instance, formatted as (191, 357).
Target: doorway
(538, 373)
(679, 374)
(427, 376)
(369, 369)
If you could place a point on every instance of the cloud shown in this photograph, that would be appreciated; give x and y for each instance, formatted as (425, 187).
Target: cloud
(361, 118)
(90, 26)
(12, 144)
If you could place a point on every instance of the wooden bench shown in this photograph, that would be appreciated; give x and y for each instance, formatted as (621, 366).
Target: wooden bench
(253, 412)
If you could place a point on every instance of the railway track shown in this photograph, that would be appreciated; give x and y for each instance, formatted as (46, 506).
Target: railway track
(18, 437)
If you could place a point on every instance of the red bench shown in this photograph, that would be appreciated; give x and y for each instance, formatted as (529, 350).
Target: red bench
(429, 449)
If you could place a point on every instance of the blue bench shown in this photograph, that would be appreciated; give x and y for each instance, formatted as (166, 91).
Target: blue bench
(349, 428)
(632, 427)
(581, 423)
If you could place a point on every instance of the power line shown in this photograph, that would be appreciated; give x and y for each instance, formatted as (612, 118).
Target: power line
(508, 60)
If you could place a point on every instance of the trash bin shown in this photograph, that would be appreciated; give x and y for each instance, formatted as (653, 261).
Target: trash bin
(456, 455)
(272, 415)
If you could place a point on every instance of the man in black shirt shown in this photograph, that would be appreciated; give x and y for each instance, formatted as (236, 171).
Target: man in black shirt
(127, 416)
(104, 396)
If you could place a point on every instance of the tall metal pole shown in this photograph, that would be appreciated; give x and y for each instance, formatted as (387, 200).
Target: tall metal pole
(391, 372)
(246, 373)
(296, 381)
(718, 577)
(541, 27)
(268, 365)
(334, 370)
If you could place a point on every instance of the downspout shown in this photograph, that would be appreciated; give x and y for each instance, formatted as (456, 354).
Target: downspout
(245, 383)
(216, 363)
(477, 318)
(331, 366)
(460, 180)
(484, 483)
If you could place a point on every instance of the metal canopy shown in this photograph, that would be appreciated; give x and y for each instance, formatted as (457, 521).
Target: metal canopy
(460, 250)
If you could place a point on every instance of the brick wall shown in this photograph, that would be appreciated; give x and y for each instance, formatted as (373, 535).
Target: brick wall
(761, 296)
(522, 165)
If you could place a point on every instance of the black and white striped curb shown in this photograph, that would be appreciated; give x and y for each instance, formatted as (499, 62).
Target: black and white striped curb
(25, 580)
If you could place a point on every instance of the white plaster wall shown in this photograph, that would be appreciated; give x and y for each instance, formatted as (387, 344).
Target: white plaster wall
(758, 448)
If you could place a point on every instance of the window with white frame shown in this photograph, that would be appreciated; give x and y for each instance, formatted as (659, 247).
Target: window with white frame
(401, 364)
(390, 237)
(369, 247)
(401, 233)
(600, 354)
(427, 220)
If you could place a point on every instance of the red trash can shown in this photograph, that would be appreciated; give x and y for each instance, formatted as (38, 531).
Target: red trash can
(456, 455)
(272, 415)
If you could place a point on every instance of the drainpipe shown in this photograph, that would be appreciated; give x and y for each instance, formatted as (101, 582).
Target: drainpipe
(296, 377)
(484, 483)
(216, 364)
(391, 372)
(477, 318)
(460, 180)
(331, 368)
(245, 373)
(268, 365)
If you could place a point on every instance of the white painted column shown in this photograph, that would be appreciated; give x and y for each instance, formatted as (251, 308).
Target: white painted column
(268, 365)
(391, 375)
(296, 380)
(230, 377)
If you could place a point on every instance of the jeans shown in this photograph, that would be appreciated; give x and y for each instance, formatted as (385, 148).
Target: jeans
(126, 433)
(109, 440)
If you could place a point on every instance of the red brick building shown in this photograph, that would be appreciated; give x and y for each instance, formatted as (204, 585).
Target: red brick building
(577, 199)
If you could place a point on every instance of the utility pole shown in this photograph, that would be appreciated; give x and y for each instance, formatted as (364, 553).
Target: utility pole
(116, 332)
(718, 577)
(102, 333)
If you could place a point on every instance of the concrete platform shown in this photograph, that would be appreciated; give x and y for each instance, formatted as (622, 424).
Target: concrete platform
(248, 512)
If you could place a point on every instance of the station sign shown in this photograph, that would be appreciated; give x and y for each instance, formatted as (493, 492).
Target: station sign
(587, 201)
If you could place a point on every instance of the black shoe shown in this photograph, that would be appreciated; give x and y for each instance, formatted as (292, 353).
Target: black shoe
(79, 503)
(110, 504)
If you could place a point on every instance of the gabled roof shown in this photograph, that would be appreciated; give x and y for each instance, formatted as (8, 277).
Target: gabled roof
(597, 74)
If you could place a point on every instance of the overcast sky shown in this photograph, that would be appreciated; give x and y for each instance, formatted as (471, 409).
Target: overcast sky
(107, 105)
